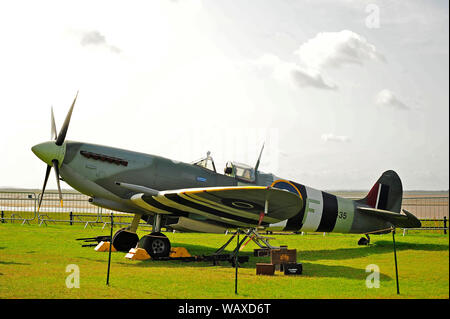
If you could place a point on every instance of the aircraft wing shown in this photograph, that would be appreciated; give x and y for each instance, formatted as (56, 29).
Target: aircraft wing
(403, 220)
(238, 205)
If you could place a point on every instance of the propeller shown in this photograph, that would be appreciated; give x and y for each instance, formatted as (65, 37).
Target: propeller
(59, 140)
(54, 133)
(63, 132)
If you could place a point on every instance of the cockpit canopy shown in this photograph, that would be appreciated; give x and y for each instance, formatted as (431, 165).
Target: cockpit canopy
(240, 171)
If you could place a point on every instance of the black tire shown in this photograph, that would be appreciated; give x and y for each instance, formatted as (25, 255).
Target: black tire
(363, 241)
(157, 245)
(124, 240)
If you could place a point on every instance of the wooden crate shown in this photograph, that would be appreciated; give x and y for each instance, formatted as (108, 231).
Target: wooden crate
(265, 269)
(283, 256)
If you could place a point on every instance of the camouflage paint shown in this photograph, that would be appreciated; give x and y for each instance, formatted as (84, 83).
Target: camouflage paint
(345, 215)
(97, 178)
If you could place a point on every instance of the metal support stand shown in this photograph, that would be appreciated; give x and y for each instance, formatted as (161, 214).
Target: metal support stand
(261, 241)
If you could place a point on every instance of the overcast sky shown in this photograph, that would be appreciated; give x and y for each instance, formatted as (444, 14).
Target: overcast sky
(339, 91)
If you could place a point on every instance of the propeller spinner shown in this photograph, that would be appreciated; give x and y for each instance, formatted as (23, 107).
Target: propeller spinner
(53, 152)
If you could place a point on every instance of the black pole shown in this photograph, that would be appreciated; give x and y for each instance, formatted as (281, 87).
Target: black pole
(236, 264)
(110, 245)
(71, 218)
(445, 225)
(3, 217)
(395, 259)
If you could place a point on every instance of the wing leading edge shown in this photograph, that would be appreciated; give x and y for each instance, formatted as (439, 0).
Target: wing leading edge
(238, 205)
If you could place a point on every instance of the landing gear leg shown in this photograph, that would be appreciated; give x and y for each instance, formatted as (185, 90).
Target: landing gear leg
(156, 244)
(156, 223)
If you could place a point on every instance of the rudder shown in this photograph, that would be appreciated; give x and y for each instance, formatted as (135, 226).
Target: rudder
(386, 193)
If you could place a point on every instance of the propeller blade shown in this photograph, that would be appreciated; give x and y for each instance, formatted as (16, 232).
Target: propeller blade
(65, 126)
(54, 133)
(47, 173)
(55, 166)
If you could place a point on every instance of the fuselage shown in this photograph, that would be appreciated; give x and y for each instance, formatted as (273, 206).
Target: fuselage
(94, 170)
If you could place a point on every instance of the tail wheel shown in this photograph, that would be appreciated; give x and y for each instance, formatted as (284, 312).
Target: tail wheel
(124, 240)
(363, 241)
(157, 245)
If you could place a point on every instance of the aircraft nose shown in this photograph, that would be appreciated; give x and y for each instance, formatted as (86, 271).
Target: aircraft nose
(49, 151)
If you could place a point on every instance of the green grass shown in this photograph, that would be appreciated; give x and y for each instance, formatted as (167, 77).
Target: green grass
(33, 264)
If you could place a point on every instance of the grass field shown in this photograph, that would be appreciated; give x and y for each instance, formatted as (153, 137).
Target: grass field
(33, 263)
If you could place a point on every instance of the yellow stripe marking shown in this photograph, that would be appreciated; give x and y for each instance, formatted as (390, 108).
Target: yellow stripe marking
(288, 182)
(214, 189)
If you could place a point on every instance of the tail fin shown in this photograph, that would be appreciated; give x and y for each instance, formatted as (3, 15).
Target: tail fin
(386, 194)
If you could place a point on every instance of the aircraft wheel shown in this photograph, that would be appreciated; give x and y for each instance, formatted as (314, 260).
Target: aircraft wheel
(124, 240)
(156, 244)
(363, 241)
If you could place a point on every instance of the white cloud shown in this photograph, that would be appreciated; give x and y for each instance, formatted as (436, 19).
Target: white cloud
(335, 138)
(95, 38)
(303, 77)
(336, 49)
(387, 98)
(326, 49)
(293, 73)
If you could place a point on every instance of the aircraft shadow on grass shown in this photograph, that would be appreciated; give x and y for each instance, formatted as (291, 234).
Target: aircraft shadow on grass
(310, 269)
(379, 247)
(305, 257)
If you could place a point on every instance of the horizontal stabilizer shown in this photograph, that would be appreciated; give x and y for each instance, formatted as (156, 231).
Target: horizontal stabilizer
(403, 220)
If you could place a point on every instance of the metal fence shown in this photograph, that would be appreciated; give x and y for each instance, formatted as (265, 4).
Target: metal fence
(430, 207)
(22, 207)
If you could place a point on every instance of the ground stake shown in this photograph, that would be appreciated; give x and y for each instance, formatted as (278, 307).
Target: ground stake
(109, 256)
(395, 260)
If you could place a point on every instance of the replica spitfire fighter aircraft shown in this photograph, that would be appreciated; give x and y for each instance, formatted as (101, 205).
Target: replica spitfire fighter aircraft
(196, 197)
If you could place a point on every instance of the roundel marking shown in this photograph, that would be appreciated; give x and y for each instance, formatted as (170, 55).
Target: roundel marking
(284, 184)
(241, 204)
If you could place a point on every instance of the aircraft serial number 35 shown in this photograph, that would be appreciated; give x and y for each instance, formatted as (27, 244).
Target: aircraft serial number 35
(342, 215)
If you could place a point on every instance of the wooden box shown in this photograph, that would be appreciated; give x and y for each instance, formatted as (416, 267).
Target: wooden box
(283, 256)
(265, 269)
